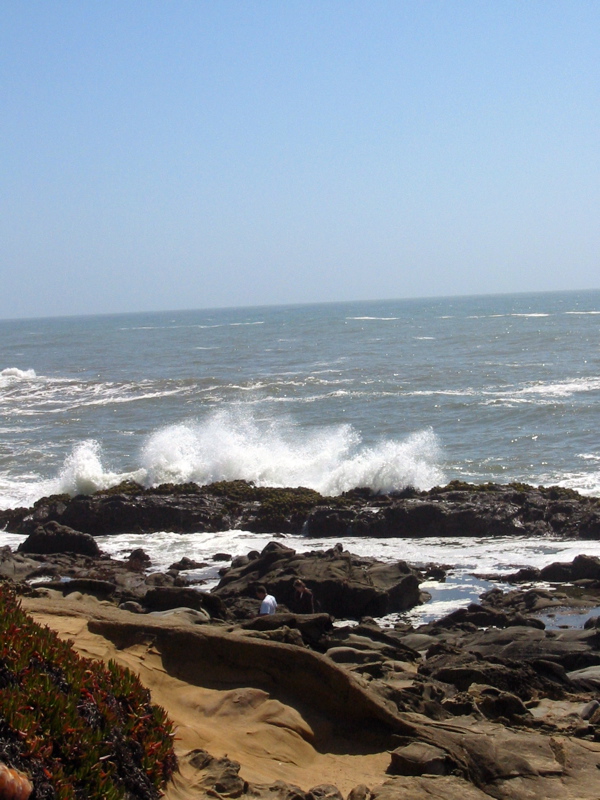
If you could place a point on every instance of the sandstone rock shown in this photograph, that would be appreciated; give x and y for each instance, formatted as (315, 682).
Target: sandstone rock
(165, 599)
(588, 678)
(430, 787)
(132, 606)
(220, 775)
(419, 759)
(324, 791)
(195, 617)
(312, 627)
(360, 792)
(589, 709)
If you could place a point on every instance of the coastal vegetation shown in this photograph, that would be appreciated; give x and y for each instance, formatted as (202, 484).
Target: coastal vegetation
(78, 729)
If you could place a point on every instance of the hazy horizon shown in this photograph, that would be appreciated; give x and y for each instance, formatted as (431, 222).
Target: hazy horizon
(258, 306)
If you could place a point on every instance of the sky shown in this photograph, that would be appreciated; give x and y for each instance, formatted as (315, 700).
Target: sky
(209, 153)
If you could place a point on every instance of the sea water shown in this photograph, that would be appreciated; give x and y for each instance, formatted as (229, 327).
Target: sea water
(383, 394)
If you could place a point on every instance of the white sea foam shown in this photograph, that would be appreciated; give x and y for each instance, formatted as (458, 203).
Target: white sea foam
(12, 375)
(229, 445)
(563, 388)
(586, 483)
(235, 444)
(379, 319)
(83, 472)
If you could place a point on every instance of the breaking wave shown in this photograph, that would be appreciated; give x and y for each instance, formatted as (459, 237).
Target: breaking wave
(230, 446)
(12, 375)
(233, 444)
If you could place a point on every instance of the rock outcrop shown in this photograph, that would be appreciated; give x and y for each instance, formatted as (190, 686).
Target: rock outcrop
(342, 584)
(457, 509)
(55, 538)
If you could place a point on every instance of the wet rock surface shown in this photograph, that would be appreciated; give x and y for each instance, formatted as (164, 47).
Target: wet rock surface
(458, 509)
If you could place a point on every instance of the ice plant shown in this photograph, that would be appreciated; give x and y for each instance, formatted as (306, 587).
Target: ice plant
(75, 727)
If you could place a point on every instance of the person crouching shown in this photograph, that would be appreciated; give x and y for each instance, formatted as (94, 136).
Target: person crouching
(268, 604)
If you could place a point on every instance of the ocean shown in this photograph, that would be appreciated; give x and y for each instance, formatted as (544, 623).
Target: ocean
(383, 394)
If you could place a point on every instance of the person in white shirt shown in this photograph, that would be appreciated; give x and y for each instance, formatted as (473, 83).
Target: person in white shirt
(268, 604)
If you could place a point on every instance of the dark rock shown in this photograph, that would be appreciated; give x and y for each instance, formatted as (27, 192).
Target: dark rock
(283, 791)
(496, 704)
(139, 560)
(312, 627)
(525, 575)
(342, 584)
(556, 573)
(222, 557)
(220, 775)
(188, 563)
(458, 509)
(165, 599)
(159, 579)
(584, 567)
(460, 705)
(485, 616)
(419, 758)
(351, 655)
(55, 538)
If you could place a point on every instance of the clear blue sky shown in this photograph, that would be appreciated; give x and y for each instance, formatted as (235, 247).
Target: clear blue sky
(200, 153)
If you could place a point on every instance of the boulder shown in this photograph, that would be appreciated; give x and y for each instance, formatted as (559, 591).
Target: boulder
(187, 563)
(55, 538)
(343, 585)
(139, 560)
(419, 758)
(324, 791)
(220, 776)
(168, 598)
(312, 627)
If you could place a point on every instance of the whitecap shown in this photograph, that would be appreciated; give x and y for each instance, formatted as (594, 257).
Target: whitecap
(13, 375)
(84, 473)
(233, 444)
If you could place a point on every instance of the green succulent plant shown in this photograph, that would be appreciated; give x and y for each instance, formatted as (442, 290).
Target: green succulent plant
(79, 728)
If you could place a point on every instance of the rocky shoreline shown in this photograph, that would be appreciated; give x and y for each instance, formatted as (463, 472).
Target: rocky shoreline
(458, 509)
(489, 701)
